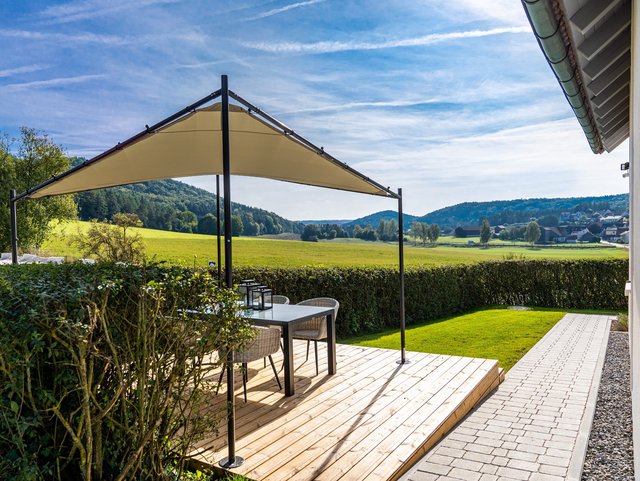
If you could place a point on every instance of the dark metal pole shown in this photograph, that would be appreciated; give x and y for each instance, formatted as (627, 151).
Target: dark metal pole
(403, 359)
(218, 229)
(14, 226)
(232, 461)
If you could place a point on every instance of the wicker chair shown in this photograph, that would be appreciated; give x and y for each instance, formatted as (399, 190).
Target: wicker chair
(276, 299)
(315, 329)
(266, 343)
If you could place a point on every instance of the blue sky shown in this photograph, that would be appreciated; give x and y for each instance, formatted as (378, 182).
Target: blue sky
(450, 100)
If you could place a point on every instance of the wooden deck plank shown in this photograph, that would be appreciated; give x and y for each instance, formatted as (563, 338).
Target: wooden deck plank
(371, 420)
(324, 434)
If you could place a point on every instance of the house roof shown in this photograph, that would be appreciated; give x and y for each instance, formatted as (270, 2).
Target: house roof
(587, 44)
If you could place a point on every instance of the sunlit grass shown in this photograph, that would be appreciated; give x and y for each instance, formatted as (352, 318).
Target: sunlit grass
(196, 249)
(502, 334)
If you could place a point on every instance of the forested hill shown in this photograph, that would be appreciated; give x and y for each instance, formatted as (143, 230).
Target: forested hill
(374, 219)
(521, 210)
(176, 206)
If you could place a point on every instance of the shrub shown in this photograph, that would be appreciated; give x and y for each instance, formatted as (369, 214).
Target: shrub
(369, 297)
(103, 368)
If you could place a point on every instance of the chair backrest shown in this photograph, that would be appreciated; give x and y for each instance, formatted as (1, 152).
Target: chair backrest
(322, 302)
(266, 342)
(277, 299)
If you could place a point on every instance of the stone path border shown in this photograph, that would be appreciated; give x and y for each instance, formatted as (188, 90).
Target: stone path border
(535, 425)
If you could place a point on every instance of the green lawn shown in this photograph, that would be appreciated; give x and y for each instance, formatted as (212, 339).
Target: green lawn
(184, 249)
(501, 334)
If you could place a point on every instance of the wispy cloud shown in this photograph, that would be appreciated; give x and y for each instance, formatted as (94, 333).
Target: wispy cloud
(360, 105)
(102, 39)
(329, 47)
(286, 8)
(88, 9)
(54, 82)
(9, 72)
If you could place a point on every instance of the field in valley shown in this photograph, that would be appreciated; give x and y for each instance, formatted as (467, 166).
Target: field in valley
(189, 249)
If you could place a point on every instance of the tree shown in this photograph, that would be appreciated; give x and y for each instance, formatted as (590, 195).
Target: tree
(424, 232)
(485, 232)
(207, 225)
(37, 158)
(549, 221)
(434, 233)
(460, 233)
(112, 242)
(310, 233)
(532, 232)
(415, 231)
(236, 226)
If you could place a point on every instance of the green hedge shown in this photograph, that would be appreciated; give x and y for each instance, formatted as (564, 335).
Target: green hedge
(369, 296)
(102, 367)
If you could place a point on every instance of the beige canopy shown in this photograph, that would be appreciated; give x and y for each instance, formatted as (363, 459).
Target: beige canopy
(192, 145)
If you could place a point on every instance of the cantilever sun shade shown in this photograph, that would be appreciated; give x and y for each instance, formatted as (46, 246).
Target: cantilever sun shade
(192, 145)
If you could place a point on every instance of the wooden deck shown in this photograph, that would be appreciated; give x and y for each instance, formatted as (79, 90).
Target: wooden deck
(372, 420)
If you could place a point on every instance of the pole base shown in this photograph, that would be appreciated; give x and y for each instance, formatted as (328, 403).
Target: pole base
(227, 463)
(400, 361)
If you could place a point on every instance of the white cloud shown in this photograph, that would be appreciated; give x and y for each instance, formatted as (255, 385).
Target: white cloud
(286, 8)
(54, 82)
(102, 39)
(10, 72)
(329, 47)
(88, 9)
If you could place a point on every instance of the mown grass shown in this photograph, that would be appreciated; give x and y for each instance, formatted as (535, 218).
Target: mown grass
(502, 334)
(189, 249)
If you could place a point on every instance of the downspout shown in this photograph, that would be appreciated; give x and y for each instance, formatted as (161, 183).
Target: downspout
(550, 32)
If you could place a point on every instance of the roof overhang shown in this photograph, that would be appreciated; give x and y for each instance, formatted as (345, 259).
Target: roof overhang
(587, 44)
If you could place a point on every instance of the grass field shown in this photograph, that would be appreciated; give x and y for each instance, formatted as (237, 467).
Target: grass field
(501, 334)
(187, 249)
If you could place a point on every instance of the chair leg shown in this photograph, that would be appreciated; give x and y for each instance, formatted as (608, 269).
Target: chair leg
(315, 346)
(307, 358)
(273, 366)
(224, 366)
(244, 380)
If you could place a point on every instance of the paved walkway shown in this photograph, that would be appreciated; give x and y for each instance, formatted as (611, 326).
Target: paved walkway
(535, 426)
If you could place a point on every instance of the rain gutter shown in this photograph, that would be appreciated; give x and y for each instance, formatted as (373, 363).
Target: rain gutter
(552, 34)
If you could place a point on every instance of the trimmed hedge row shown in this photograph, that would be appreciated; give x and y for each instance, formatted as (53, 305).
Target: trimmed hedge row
(369, 297)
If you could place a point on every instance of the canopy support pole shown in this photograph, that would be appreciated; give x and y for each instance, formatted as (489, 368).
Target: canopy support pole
(218, 230)
(14, 226)
(231, 461)
(403, 358)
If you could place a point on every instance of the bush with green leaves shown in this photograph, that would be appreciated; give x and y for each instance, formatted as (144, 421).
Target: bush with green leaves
(369, 297)
(105, 369)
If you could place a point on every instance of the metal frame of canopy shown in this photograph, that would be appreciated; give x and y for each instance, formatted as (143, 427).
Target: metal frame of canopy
(224, 93)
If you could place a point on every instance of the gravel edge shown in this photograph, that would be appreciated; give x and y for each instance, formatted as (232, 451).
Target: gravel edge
(610, 449)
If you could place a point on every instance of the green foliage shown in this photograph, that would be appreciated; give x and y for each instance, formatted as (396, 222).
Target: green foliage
(366, 233)
(208, 225)
(532, 233)
(170, 204)
(434, 233)
(112, 242)
(387, 231)
(237, 226)
(369, 297)
(102, 368)
(485, 232)
(36, 159)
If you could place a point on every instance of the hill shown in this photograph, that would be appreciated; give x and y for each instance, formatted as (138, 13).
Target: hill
(175, 206)
(374, 219)
(521, 210)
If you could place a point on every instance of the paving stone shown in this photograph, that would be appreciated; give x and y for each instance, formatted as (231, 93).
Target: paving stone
(527, 429)
(465, 474)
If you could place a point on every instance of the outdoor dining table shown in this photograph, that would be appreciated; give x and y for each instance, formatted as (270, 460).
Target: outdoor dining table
(287, 316)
